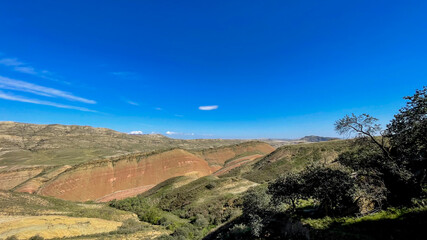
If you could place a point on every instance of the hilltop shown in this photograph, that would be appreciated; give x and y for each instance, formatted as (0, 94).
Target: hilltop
(278, 142)
(55, 144)
(111, 177)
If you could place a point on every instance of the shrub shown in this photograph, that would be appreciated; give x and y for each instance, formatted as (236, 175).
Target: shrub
(201, 221)
(36, 237)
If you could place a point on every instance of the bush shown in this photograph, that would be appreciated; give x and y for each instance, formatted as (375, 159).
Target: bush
(36, 237)
(257, 202)
(201, 221)
(131, 226)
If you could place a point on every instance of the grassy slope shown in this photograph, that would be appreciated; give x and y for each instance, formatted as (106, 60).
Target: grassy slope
(393, 223)
(176, 202)
(290, 158)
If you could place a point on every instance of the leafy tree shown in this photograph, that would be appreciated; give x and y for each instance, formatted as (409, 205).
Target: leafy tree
(333, 188)
(287, 189)
(401, 163)
(257, 209)
(408, 134)
(257, 202)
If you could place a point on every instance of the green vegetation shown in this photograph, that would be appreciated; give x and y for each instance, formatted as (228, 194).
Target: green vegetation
(373, 189)
(290, 158)
(191, 210)
(370, 187)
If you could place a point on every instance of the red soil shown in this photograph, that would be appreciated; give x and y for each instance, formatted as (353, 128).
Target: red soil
(218, 156)
(237, 163)
(98, 179)
(125, 193)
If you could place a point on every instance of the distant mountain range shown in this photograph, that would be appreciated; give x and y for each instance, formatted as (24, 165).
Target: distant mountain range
(278, 142)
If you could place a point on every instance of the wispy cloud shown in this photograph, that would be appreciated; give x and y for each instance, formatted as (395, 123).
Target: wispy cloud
(22, 67)
(40, 102)
(208, 108)
(159, 109)
(17, 85)
(179, 133)
(27, 70)
(10, 62)
(178, 115)
(132, 103)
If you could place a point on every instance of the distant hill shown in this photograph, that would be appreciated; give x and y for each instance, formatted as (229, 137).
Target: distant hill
(126, 175)
(278, 142)
(313, 138)
(55, 144)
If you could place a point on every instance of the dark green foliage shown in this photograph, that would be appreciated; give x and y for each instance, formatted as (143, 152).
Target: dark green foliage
(398, 159)
(333, 189)
(287, 189)
(407, 133)
(370, 164)
(257, 202)
(146, 211)
(375, 173)
(36, 237)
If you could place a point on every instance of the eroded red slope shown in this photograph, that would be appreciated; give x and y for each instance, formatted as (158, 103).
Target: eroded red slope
(98, 179)
(218, 156)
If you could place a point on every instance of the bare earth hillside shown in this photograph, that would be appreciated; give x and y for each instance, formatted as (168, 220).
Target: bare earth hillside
(92, 181)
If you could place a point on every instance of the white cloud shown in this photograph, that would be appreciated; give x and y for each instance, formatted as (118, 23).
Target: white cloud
(40, 102)
(208, 108)
(159, 109)
(136, 132)
(171, 133)
(17, 85)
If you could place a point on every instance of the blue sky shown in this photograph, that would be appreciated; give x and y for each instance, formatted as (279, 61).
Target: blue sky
(209, 69)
